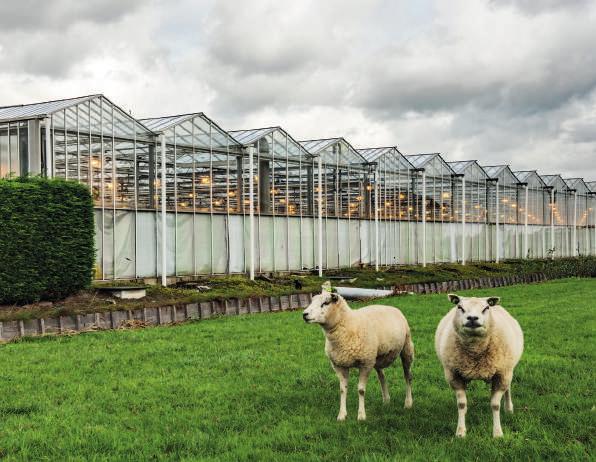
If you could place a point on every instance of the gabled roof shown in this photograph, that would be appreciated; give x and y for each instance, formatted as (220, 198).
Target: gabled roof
(555, 181)
(432, 162)
(248, 137)
(503, 173)
(206, 135)
(390, 152)
(469, 168)
(158, 124)
(578, 184)
(530, 177)
(321, 147)
(591, 185)
(40, 110)
(251, 136)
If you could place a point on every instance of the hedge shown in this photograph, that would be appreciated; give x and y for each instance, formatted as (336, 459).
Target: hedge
(46, 239)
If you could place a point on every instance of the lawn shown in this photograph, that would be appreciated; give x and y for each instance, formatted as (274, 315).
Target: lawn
(260, 388)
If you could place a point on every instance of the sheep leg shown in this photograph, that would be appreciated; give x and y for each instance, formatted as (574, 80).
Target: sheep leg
(343, 374)
(407, 357)
(508, 402)
(362, 380)
(495, 404)
(462, 408)
(384, 389)
(459, 387)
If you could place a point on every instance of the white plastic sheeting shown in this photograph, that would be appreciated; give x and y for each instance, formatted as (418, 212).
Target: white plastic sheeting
(128, 243)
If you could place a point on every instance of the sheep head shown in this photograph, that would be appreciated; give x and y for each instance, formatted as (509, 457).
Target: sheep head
(472, 314)
(324, 308)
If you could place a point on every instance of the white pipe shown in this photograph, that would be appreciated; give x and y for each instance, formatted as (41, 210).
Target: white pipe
(320, 200)
(526, 250)
(376, 222)
(164, 266)
(575, 244)
(463, 220)
(497, 231)
(251, 211)
(424, 218)
(358, 293)
(552, 223)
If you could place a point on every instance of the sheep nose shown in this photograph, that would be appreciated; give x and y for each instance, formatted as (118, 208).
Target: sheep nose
(472, 318)
(304, 316)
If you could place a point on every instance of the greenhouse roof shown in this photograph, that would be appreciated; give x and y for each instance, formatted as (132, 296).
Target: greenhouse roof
(591, 185)
(502, 173)
(556, 181)
(433, 163)
(39, 110)
(530, 177)
(192, 129)
(284, 143)
(51, 108)
(327, 150)
(468, 168)
(578, 184)
(374, 154)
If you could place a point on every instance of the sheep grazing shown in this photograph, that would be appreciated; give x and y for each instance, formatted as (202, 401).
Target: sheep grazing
(479, 340)
(368, 338)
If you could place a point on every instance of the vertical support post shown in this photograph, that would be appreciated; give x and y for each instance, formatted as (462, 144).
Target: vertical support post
(463, 220)
(377, 191)
(48, 166)
(320, 219)
(497, 231)
(574, 234)
(424, 218)
(526, 249)
(164, 253)
(552, 223)
(251, 211)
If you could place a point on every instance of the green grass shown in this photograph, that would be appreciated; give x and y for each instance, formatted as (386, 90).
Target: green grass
(260, 388)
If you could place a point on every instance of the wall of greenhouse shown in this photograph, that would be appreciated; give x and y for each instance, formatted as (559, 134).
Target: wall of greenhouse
(318, 204)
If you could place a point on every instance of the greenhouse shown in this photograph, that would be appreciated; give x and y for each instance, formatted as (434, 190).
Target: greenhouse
(475, 242)
(392, 197)
(180, 196)
(436, 203)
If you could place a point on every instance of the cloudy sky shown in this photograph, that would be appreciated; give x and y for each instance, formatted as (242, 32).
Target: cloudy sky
(501, 81)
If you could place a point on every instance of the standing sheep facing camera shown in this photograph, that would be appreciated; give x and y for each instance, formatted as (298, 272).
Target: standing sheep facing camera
(369, 338)
(479, 340)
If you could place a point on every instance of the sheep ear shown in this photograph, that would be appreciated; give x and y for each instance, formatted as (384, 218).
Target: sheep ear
(453, 298)
(492, 301)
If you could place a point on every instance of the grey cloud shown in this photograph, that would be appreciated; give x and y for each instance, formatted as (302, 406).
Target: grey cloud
(533, 7)
(34, 15)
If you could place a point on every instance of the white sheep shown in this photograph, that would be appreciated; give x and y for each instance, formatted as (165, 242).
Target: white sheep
(368, 338)
(479, 340)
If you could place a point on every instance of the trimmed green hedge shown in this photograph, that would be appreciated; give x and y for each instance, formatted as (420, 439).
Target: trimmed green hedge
(46, 239)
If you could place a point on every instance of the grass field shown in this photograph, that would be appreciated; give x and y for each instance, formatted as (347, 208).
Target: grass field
(260, 388)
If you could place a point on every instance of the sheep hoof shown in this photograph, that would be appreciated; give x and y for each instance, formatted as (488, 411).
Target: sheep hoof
(408, 404)
(341, 417)
(498, 433)
(361, 416)
(386, 400)
(460, 432)
(509, 409)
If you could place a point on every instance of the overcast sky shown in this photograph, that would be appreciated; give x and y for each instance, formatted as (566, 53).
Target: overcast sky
(501, 81)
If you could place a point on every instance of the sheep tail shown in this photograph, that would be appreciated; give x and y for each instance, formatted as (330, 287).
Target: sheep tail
(407, 356)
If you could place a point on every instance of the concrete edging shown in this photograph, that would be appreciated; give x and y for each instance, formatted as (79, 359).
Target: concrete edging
(11, 330)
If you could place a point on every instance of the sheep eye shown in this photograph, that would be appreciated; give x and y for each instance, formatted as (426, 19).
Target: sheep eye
(459, 307)
(484, 310)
